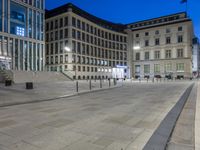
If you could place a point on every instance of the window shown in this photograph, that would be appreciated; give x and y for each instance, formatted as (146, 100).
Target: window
(157, 68)
(157, 32)
(66, 33)
(56, 24)
(18, 19)
(137, 56)
(179, 53)
(168, 30)
(180, 39)
(180, 67)
(137, 68)
(146, 56)
(168, 68)
(74, 33)
(61, 22)
(168, 40)
(0, 15)
(146, 42)
(137, 35)
(168, 54)
(157, 55)
(73, 21)
(157, 41)
(79, 24)
(180, 28)
(146, 33)
(66, 21)
(146, 69)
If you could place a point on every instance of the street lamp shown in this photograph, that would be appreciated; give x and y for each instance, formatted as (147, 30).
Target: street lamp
(137, 47)
(67, 49)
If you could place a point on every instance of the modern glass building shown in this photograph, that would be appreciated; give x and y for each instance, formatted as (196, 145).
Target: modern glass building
(22, 35)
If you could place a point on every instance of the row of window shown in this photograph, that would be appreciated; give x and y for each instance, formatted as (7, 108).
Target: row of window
(83, 60)
(64, 22)
(168, 54)
(157, 41)
(35, 3)
(59, 35)
(156, 21)
(157, 68)
(17, 20)
(97, 41)
(85, 49)
(24, 55)
(157, 32)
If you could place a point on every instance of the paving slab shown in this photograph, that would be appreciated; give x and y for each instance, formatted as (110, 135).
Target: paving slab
(197, 120)
(121, 118)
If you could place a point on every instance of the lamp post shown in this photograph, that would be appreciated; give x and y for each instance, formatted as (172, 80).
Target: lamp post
(68, 50)
(136, 47)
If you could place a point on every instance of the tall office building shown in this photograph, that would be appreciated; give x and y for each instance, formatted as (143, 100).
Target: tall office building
(84, 46)
(196, 57)
(161, 47)
(22, 35)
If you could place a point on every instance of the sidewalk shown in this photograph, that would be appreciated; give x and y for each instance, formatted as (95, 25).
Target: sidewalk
(17, 94)
(197, 120)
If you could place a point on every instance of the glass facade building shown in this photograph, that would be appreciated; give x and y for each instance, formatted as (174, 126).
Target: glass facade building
(22, 35)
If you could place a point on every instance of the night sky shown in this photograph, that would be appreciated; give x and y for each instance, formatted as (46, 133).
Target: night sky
(128, 11)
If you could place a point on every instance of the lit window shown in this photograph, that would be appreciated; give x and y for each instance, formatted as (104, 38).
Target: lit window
(20, 31)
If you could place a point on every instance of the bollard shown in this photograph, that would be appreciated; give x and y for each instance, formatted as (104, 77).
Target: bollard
(90, 85)
(29, 85)
(109, 82)
(115, 82)
(77, 86)
(8, 82)
(100, 83)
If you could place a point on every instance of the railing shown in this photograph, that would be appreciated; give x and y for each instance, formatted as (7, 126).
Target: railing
(67, 75)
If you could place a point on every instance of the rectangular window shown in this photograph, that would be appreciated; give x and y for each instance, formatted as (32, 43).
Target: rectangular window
(17, 19)
(66, 21)
(179, 53)
(180, 28)
(137, 68)
(146, 69)
(168, 40)
(1, 15)
(180, 67)
(146, 42)
(157, 41)
(157, 68)
(168, 54)
(180, 39)
(146, 57)
(137, 56)
(168, 68)
(157, 55)
(73, 21)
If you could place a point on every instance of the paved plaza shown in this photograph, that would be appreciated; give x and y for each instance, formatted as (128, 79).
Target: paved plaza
(17, 93)
(117, 119)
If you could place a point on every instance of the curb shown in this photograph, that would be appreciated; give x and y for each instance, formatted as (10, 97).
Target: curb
(162, 134)
(59, 97)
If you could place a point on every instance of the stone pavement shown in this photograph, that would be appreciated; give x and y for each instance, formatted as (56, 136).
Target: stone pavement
(183, 136)
(197, 120)
(17, 93)
(116, 119)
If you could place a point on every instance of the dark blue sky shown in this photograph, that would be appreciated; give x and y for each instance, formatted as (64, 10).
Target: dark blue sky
(127, 11)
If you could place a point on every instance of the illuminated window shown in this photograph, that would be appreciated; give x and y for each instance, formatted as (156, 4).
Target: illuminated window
(20, 31)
